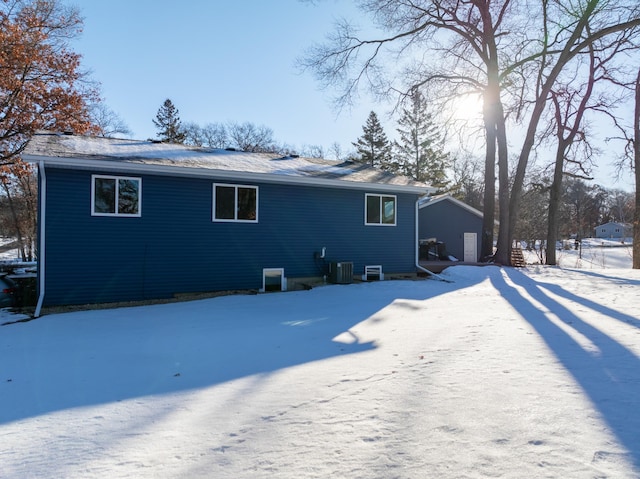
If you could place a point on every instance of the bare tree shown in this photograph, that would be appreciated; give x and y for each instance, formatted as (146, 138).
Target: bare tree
(312, 151)
(20, 192)
(193, 134)
(468, 181)
(587, 204)
(572, 100)
(636, 164)
(211, 135)
(620, 205)
(336, 150)
(483, 46)
(245, 136)
(452, 49)
(568, 31)
(215, 135)
(250, 137)
(533, 224)
(107, 122)
(568, 121)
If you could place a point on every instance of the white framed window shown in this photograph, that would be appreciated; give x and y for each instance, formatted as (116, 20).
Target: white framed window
(380, 210)
(116, 196)
(235, 203)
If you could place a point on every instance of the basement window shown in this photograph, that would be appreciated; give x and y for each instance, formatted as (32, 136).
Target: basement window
(373, 273)
(273, 280)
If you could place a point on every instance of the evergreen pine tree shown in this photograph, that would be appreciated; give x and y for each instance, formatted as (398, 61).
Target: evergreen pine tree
(168, 124)
(373, 147)
(419, 149)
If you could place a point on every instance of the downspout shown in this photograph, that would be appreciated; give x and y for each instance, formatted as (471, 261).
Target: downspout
(41, 250)
(417, 248)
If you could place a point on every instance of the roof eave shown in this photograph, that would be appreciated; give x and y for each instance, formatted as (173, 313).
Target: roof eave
(145, 168)
(455, 201)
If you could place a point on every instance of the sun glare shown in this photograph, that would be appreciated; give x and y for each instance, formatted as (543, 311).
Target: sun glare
(467, 108)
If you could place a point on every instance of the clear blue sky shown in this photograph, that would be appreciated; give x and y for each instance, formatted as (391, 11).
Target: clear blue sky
(218, 61)
(227, 60)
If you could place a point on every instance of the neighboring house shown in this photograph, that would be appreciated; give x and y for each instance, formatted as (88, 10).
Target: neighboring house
(614, 230)
(452, 223)
(128, 220)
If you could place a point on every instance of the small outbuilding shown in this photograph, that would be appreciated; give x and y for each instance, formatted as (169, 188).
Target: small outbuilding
(454, 227)
(614, 230)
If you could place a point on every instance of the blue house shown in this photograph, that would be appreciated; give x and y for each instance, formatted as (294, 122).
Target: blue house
(456, 226)
(614, 230)
(124, 220)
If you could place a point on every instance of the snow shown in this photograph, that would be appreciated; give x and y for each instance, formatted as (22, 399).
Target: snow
(594, 253)
(149, 152)
(505, 373)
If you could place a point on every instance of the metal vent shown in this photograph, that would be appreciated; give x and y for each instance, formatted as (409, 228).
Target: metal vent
(373, 273)
(341, 272)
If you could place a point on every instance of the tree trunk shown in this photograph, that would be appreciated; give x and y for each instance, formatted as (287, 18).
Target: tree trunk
(493, 105)
(16, 222)
(31, 210)
(563, 125)
(503, 252)
(554, 205)
(565, 56)
(636, 164)
(489, 201)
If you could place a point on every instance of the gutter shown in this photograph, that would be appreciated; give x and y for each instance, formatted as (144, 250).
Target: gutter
(417, 249)
(41, 249)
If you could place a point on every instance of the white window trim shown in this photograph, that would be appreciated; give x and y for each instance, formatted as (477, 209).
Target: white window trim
(116, 178)
(375, 270)
(283, 280)
(236, 186)
(380, 196)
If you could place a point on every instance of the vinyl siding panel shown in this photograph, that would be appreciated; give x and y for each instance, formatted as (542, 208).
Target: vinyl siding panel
(447, 222)
(614, 230)
(175, 247)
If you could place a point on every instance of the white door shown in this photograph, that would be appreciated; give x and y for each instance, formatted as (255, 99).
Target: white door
(471, 247)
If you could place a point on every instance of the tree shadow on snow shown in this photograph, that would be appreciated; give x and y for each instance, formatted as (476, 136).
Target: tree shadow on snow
(595, 306)
(607, 371)
(609, 277)
(88, 358)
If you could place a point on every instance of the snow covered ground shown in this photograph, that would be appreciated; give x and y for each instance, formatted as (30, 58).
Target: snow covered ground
(501, 373)
(594, 253)
(9, 254)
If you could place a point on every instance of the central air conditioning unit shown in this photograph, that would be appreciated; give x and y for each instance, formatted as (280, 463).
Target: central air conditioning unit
(341, 272)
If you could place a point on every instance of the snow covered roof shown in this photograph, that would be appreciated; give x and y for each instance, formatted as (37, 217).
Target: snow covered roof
(615, 224)
(432, 200)
(135, 156)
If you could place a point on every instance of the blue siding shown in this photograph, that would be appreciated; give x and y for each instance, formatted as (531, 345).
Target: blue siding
(447, 222)
(174, 247)
(614, 230)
